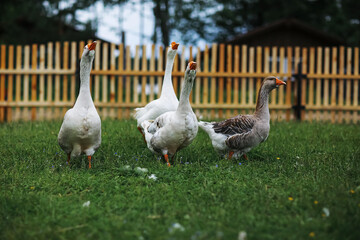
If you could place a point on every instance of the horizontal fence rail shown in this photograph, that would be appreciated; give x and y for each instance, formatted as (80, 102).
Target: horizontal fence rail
(41, 82)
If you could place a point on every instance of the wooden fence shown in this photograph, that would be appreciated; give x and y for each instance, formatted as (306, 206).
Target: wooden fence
(40, 82)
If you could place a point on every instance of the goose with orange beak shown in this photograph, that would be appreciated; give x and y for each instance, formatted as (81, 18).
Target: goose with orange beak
(174, 130)
(167, 100)
(236, 136)
(80, 132)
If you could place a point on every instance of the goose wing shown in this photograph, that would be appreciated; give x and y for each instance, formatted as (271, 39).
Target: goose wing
(236, 125)
(239, 130)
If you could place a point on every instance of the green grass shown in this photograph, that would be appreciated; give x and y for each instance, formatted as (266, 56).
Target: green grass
(212, 198)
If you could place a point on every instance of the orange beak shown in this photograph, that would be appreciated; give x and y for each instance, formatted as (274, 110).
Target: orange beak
(279, 82)
(174, 45)
(91, 46)
(192, 65)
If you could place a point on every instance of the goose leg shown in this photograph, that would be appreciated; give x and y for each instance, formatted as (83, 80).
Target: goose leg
(167, 160)
(89, 158)
(245, 157)
(68, 159)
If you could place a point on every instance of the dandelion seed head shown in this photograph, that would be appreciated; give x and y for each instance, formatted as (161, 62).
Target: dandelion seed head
(86, 204)
(326, 212)
(176, 227)
(153, 177)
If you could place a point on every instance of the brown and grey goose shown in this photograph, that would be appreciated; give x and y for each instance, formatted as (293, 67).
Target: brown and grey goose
(238, 135)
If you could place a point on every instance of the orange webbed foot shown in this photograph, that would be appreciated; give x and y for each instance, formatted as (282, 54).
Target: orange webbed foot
(89, 159)
(167, 160)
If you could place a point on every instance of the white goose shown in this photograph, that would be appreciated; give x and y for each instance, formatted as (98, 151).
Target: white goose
(174, 130)
(80, 131)
(238, 135)
(167, 100)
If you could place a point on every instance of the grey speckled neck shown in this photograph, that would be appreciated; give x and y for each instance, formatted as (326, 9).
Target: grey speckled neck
(262, 104)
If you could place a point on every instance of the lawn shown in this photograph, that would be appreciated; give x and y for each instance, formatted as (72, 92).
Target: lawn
(302, 183)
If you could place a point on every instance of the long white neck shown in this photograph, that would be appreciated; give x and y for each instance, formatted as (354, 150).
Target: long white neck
(84, 99)
(262, 104)
(167, 87)
(184, 103)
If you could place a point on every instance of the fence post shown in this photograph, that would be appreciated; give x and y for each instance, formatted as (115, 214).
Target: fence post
(298, 107)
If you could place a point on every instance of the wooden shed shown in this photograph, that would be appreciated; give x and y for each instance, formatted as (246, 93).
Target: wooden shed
(286, 32)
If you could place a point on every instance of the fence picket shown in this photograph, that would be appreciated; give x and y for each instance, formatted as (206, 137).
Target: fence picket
(348, 84)
(73, 68)
(57, 80)
(205, 80)
(333, 84)
(341, 81)
(65, 80)
(326, 82)
(221, 79)
(120, 79)
(42, 82)
(2, 82)
(49, 79)
(128, 79)
(10, 97)
(96, 87)
(104, 98)
(193, 90)
(112, 80)
(303, 82)
(243, 80)
(143, 78)
(288, 82)
(213, 79)
(229, 92)
(26, 82)
(152, 68)
(236, 79)
(318, 81)
(310, 101)
(281, 90)
(251, 80)
(273, 96)
(197, 82)
(356, 86)
(160, 69)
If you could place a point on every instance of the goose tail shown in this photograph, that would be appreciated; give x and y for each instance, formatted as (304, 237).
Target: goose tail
(206, 126)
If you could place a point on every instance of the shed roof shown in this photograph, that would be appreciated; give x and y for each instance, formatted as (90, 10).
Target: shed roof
(286, 32)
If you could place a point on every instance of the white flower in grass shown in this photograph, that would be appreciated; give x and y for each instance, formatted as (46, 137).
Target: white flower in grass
(86, 204)
(326, 212)
(242, 235)
(143, 170)
(127, 167)
(153, 177)
(176, 227)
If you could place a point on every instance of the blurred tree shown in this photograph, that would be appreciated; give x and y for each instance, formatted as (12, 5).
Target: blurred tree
(219, 20)
(39, 21)
(338, 17)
